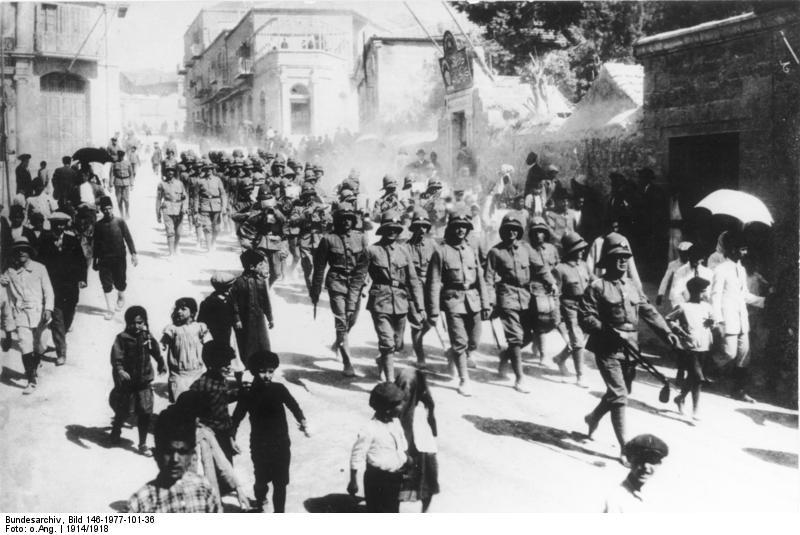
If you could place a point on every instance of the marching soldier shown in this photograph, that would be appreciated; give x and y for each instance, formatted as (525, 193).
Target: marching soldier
(573, 277)
(394, 284)
(609, 312)
(510, 270)
(345, 251)
(435, 206)
(456, 286)
(389, 200)
(545, 309)
(212, 200)
(420, 247)
(171, 204)
(311, 219)
(263, 229)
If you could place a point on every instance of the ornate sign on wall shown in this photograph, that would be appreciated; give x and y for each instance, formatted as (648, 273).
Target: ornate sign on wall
(456, 65)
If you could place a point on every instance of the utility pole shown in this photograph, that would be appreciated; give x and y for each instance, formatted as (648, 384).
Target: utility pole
(3, 121)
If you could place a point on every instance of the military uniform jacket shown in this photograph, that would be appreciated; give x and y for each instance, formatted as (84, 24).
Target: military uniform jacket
(572, 279)
(455, 281)
(545, 260)
(122, 173)
(421, 252)
(509, 271)
(394, 280)
(616, 304)
(171, 197)
(211, 196)
(346, 254)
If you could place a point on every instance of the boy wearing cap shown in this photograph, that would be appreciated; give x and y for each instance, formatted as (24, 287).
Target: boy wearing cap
(110, 238)
(609, 312)
(270, 446)
(668, 280)
(216, 311)
(31, 297)
(171, 203)
(693, 320)
(573, 277)
(645, 453)
(381, 450)
(420, 247)
(62, 255)
(456, 286)
(252, 307)
(508, 279)
(394, 281)
(345, 251)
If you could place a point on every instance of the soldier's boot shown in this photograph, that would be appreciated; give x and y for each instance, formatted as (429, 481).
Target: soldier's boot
(388, 366)
(618, 423)
(464, 387)
(419, 350)
(593, 418)
(515, 355)
(577, 359)
(344, 350)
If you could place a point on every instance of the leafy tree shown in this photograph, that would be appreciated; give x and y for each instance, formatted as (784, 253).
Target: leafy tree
(590, 33)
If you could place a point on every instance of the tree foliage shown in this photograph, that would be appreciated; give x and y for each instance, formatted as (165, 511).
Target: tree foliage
(583, 35)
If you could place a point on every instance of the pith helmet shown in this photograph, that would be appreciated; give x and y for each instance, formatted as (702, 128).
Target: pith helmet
(571, 242)
(615, 245)
(459, 219)
(390, 220)
(512, 221)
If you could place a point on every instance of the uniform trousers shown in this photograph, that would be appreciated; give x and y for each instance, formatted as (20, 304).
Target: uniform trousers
(389, 328)
(464, 331)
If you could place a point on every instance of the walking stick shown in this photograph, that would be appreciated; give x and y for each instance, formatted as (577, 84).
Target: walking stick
(494, 334)
(315, 312)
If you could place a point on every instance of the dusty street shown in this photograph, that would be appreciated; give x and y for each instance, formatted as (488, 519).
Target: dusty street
(500, 451)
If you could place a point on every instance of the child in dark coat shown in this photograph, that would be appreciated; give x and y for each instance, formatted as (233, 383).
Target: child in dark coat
(133, 375)
(216, 311)
(252, 310)
(269, 433)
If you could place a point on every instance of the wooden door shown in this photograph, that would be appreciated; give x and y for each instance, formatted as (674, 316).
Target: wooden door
(65, 116)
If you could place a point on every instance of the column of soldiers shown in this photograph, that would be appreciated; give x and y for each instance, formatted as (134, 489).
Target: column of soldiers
(427, 263)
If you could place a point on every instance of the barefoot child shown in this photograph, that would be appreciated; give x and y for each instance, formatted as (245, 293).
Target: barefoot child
(133, 374)
(269, 433)
(183, 342)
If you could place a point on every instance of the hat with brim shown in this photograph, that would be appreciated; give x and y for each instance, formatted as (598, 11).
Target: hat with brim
(390, 220)
(23, 244)
(420, 219)
(538, 223)
(511, 222)
(25, 156)
(221, 280)
(459, 220)
(385, 396)
(572, 242)
(59, 217)
(684, 246)
(647, 448)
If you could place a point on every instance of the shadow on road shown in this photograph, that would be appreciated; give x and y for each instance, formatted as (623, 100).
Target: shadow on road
(314, 373)
(667, 410)
(8, 376)
(79, 435)
(297, 296)
(90, 310)
(761, 416)
(781, 458)
(557, 439)
(335, 503)
(120, 506)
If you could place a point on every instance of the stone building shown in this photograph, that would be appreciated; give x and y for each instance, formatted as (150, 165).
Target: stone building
(284, 66)
(721, 109)
(61, 92)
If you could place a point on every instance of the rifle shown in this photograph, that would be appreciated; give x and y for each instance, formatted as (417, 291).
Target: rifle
(636, 356)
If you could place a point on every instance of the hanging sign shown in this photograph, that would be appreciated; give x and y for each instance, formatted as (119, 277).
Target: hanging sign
(456, 65)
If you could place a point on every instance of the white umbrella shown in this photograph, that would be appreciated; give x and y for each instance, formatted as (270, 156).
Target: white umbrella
(743, 206)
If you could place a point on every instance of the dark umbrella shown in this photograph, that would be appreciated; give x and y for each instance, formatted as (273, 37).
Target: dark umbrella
(91, 154)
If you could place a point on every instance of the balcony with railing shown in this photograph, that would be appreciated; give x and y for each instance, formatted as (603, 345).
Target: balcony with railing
(244, 68)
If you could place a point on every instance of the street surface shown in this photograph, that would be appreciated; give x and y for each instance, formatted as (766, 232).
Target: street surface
(500, 451)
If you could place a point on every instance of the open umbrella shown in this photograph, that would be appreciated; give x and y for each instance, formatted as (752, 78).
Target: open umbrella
(91, 154)
(743, 206)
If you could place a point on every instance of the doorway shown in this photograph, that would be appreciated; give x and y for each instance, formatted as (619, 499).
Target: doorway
(300, 102)
(699, 165)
